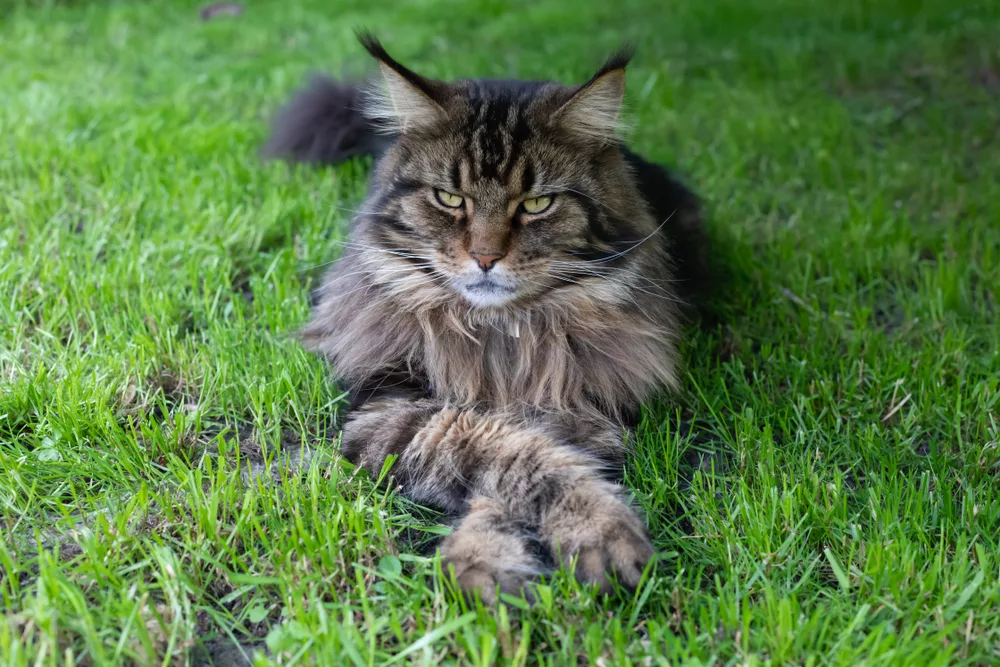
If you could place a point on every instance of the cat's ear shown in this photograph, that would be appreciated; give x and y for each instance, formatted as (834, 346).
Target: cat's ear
(595, 107)
(405, 101)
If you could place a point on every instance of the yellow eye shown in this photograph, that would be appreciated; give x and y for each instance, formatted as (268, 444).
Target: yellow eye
(448, 199)
(536, 205)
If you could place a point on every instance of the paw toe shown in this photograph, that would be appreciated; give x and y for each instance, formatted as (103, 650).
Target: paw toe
(616, 548)
(477, 579)
(487, 579)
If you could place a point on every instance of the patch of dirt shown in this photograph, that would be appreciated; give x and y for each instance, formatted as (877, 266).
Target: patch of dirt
(853, 480)
(291, 455)
(703, 453)
(170, 387)
(219, 10)
(224, 652)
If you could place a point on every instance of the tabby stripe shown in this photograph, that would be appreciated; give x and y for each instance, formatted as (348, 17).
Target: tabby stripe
(547, 492)
(471, 454)
(402, 187)
(519, 134)
(527, 176)
(420, 265)
(397, 226)
(407, 429)
(510, 463)
(616, 237)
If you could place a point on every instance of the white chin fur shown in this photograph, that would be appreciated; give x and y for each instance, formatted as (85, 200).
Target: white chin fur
(487, 291)
(488, 299)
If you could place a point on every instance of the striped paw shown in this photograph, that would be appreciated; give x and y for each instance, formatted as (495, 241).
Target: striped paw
(594, 527)
(489, 553)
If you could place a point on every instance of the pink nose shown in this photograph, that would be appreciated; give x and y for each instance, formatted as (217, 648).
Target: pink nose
(485, 260)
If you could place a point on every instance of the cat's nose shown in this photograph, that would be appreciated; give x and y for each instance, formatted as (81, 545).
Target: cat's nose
(485, 260)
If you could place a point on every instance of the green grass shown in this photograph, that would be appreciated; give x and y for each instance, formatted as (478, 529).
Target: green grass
(826, 489)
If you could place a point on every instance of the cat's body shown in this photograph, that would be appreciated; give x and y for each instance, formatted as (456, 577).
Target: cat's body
(506, 301)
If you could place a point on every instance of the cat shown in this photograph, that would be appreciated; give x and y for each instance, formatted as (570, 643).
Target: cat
(508, 297)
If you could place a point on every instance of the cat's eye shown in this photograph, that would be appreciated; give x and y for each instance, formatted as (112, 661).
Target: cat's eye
(449, 199)
(536, 205)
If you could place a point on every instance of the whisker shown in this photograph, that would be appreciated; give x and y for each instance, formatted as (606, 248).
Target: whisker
(360, 211)
(565, 280)
(372, 265)
(581, 270)
(636, 245)
(566, 188)
(401, 252)
(369, 259)
(413, 280)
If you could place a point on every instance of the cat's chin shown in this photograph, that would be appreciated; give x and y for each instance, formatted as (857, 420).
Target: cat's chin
(488, 294)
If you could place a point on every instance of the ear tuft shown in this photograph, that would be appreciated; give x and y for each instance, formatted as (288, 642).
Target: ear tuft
(594, 109)
(617, 60)
(373, 46)
(403, 101)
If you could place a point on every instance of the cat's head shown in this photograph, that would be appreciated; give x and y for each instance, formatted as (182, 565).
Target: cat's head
(500, 193)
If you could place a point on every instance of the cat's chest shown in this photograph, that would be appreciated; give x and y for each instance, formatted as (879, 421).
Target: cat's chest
(503, 363)
(565, 360)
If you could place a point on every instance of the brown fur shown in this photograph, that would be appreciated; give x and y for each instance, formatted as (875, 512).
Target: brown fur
(505, 397)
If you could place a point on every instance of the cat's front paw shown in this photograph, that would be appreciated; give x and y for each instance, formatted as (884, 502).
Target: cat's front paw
(592, 526)
(488, 554)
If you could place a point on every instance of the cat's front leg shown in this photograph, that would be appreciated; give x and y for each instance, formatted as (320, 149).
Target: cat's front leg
(559, 489)
(442, 454)
(593, 526)
(500, 472)
(491, 551)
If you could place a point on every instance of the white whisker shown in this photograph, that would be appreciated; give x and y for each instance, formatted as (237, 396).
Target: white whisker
(566, 188)
(636, 245)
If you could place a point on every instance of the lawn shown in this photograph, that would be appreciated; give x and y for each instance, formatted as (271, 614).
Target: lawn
(824, 490)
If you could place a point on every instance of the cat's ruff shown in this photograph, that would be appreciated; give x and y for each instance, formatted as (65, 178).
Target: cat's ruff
(503, 307)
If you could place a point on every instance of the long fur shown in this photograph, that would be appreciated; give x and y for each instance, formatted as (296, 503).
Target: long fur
(324, 124)
(509, 412)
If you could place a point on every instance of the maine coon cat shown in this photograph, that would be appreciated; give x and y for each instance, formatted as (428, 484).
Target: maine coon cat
(508, 297)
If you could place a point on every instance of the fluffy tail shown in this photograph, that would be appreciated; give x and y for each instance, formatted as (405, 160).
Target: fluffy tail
(323, 124)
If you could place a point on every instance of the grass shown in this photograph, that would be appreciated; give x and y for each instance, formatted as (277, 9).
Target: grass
(825, 491)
